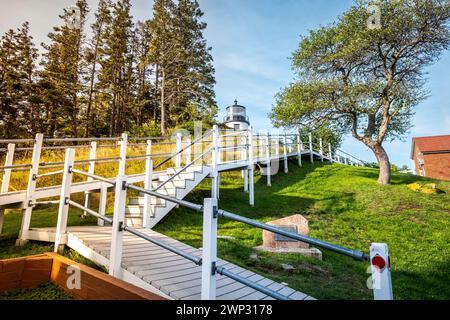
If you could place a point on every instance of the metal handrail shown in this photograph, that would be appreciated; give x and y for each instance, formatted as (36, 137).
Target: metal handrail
(184, 169)
(182, 203)
(251, 284)
(182, 150)
(91, 212)
(93, 176)
(357, 255)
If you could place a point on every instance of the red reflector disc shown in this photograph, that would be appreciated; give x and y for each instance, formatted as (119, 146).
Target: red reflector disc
(378, 262)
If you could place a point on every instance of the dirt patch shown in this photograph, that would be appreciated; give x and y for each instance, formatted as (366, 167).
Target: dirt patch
(416, 220)
(408, 206)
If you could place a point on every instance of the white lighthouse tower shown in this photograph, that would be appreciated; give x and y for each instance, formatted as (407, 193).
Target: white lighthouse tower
(236, 117)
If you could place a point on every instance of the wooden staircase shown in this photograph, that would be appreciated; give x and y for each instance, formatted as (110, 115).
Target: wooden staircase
(178, 187)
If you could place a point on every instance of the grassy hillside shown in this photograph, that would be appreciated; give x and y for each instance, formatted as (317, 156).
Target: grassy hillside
(344, 205)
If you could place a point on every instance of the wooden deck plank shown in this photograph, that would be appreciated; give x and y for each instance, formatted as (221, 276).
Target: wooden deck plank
(166, 271)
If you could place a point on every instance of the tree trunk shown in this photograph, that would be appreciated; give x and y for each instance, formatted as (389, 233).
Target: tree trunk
(384, 177)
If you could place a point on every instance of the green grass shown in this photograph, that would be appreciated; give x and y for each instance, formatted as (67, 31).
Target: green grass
(344, 205)
(46, 291)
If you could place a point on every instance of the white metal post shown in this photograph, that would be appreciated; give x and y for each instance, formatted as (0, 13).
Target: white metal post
(268, 161)
(299, 150)
(311, 155)
(381, 272)
(286, 169)
(123, 154)
(188, 152)
(102, 203)
(329, 152)
(321, 149)
(26, 219)
(6, 177)
(91, 170)
(209, 251)
(179, 141)
(244, 149)
(251, 167)
(63, 211)
(214, 159)
(148, 184)
(115, 256)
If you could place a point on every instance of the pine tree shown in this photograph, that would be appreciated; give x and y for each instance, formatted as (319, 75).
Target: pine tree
(92, 57)
(18, 113)
(183, 60)
(60, 77)
(115, 78)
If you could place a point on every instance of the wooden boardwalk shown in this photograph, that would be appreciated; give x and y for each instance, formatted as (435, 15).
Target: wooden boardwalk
(166, 272)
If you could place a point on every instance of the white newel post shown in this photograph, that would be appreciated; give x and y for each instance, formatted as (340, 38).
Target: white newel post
(329, 152)
(91, 170)
(268, 161)
(244, 150)
(123, 154)
(321, 149)
(115, 256)
(102, 203)
(299, 150)
(63, 211)
(148, 184)
(179, 141)
(381, 272)
(188, 152)
(285, 158)
(251, 167)
(209, 251)
(214, 159)
(9, 160)
(26, 219)
(311, 155)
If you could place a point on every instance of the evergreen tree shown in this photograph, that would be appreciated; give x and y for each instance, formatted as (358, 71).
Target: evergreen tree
(60, 78)
(115, 77)
(18, 115)
(92, 57)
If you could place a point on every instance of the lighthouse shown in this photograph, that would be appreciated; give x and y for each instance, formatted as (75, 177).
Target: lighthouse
(236, 117)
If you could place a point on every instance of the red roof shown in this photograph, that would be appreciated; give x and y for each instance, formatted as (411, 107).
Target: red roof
(432, 144)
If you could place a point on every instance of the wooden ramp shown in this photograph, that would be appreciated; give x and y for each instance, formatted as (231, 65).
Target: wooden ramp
(158, 270)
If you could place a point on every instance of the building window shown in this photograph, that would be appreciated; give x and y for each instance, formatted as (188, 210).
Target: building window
(237, 127)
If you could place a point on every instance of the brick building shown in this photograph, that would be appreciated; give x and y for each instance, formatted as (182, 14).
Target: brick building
(431, 156)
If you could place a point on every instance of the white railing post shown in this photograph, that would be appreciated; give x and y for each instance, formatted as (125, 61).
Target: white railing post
(214, 159)
(209, 251)
(148, 184)
(123, 154)
(321, 149)
(188, 152)
(179, 141)
(299, 150)
(251, 166)
(311, 154)
(244, 149)
(102, 203)
(285, 158)
(63, 211)
(115, 256)
(26, 219)
(91, 170)
(268, 161)
(330, 154)
(381, 272)
(9, 160)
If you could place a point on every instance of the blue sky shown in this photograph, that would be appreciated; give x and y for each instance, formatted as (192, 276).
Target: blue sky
(252, 42)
